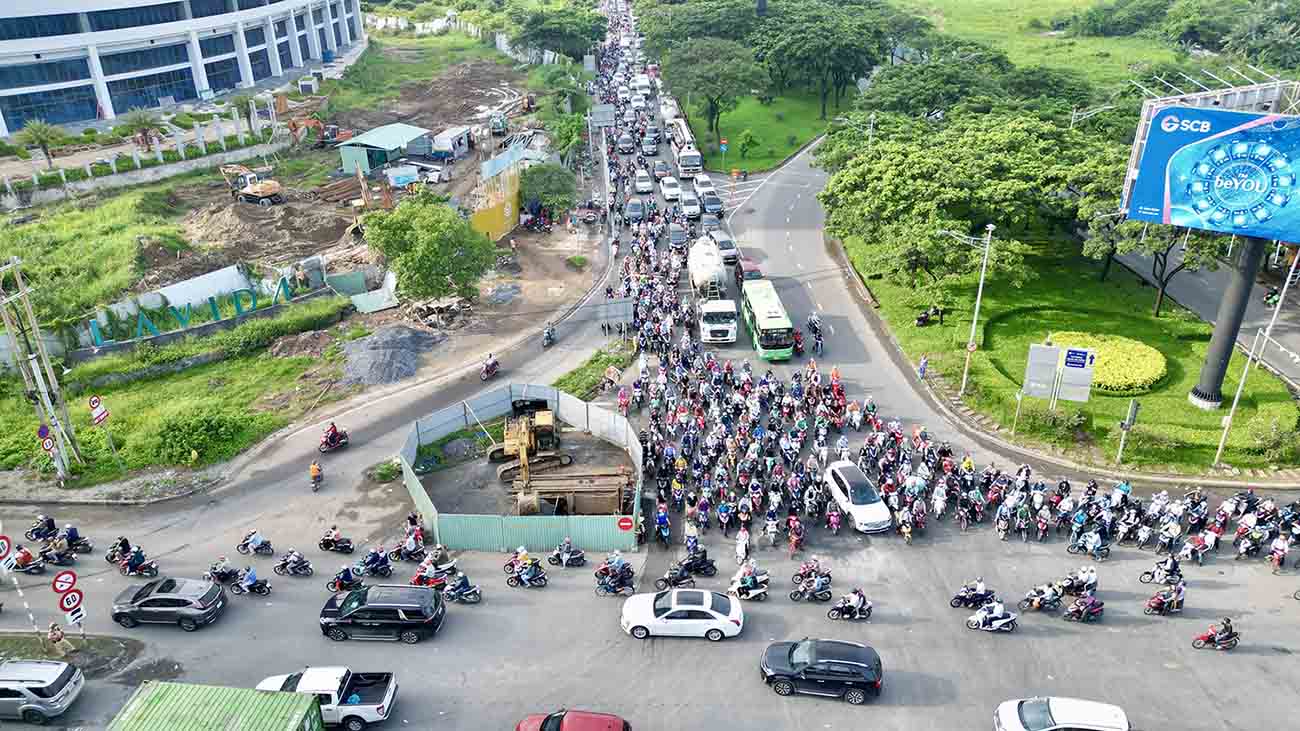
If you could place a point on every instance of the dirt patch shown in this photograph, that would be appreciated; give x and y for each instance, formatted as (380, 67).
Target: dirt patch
(303, 345)
(162, 668)
(463, 94)
(96, 655)
(306, 392)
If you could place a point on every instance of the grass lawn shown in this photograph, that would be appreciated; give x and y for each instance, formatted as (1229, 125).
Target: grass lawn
(391, 62)
(781, 127)
(584, 381)
(1005, 24)
(1171, 436)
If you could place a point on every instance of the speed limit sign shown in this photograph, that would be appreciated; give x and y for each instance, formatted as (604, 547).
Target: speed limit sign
(71, 599)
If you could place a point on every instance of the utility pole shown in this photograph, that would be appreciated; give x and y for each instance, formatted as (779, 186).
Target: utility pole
(987, 243)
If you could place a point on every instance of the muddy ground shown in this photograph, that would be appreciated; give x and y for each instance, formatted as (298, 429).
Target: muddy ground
(462, 94)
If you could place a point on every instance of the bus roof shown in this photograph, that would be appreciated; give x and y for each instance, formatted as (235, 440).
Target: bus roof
(765, 304)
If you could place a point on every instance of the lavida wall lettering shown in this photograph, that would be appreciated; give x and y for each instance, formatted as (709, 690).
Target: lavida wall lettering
(145, 327)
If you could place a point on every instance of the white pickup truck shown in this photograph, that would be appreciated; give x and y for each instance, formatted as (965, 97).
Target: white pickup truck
(347, 699)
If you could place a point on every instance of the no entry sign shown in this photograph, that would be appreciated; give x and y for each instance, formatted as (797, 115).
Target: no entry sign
(5, 545)
(625, 523)
(64, 581)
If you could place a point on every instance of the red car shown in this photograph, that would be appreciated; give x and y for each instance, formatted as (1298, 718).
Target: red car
(745, 270)
(564, 720)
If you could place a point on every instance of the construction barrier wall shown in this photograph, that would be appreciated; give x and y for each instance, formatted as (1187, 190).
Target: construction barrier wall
(499, 212)
(506, 532)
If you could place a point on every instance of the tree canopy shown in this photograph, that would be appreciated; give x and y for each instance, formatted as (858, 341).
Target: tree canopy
(569, 30)
(828, 47)
(431, 247)
(554, 186)
(718, 72)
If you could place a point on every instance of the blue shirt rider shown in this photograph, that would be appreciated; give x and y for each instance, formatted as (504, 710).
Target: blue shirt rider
(249, 578)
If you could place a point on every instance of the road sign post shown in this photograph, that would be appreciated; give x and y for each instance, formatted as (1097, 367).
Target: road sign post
(99, 414)
(1125, 426)
(722, 145)
(1020, 399)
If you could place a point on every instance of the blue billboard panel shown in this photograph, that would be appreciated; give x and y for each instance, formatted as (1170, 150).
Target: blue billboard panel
(1217, 170)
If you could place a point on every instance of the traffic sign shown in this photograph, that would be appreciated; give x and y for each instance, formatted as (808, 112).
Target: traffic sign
(95, 402)
(722, 146)
(64, 581)
(971, 347)
(625, 523)
(75, 616)
(1075, 358)
(71, 599)
(98, 411)
(42, 431)
(5, 545)
(8, 562)
(1076, 376)
(47, 444)
(1040, 371)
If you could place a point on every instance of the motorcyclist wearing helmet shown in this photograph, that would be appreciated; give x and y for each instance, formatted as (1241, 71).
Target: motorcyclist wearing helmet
(293, 559)
(71, 533)
(222, 567)
(332, 435)
(136, 560)
(249, 578)
(1224, 631)
(47, 527)
(346, 575)
(857, 601)
(315, 471)
(23, 557)
(976, 587)
(375, 558)
(1170, 566)
(255, 539)
(994, 610)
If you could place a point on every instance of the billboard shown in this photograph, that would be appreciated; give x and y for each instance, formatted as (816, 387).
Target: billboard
(1219, 170)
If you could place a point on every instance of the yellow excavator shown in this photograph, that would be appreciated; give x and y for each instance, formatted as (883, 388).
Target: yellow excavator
(534, 441)
(249, 187)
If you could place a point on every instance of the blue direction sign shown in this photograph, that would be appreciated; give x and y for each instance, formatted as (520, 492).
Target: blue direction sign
(1077, 358)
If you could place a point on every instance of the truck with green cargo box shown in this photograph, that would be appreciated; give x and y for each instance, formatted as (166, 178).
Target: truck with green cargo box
(159, 705)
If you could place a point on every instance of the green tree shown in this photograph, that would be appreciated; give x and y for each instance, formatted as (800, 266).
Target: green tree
(242, 104)
(432, 248)
(141, 120)
(566, 132)
(720, 72)
(927, 90)
(826, 47)
(552, 185)
(1204, 23)
(570, 30)
(747, 143)
(668, 25)
(39, 133)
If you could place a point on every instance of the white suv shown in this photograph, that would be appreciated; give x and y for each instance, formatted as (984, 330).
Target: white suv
(1058, 714)
(671, 189)
(703, 184)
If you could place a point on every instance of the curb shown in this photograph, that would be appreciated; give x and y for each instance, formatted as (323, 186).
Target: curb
(990, 440)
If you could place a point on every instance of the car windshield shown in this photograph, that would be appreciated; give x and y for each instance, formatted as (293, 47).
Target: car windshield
(663, 602)
(353, 600)
(553, 721)
(634, 206)
(1035, 715)
(719, 318)
(802, 654)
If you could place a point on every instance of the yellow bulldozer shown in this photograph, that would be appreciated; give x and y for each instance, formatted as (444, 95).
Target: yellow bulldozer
(533, 441)
(249, 187)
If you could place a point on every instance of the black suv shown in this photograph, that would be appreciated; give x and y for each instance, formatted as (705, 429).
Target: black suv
(188, 603)
(383, 612)
(823, 667)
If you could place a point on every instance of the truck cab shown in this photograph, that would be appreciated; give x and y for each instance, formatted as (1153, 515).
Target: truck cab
(347, 699)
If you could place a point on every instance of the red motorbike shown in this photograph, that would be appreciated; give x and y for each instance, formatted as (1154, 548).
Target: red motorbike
(438, 581)
(340, 441)
(1210, 638)
(1078, 613)
(1159, 604)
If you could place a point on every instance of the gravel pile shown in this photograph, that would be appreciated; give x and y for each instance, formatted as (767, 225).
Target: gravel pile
(388, 355)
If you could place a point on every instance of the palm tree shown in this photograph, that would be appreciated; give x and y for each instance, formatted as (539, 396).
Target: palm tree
(42, 134)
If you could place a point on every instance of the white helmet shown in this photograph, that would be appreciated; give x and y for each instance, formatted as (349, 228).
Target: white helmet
(521, 549)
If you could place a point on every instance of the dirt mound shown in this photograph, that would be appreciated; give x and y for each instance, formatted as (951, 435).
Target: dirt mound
(303, 345)
(462, 94)
(276, 234)
(390, 354)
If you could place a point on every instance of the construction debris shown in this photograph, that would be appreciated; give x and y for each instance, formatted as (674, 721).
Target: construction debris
(448, 312)
(390, 354)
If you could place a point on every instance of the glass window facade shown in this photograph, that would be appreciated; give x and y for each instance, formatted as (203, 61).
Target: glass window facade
(352, 26)
(286, 56)
(217, 46)
(255, 36)
(304, 47)
(281, 29)
(316, 16)
(261, 64)
(338, 35)
(205, 8)
(223, 74)
(132, 17)
(145, 58)
(38, 26)
(50, 72)
(250, 4)
(300, 21)
(60, 106)
(320, 33)
(144, 91)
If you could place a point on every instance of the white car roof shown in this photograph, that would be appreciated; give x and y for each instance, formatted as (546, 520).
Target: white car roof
(1073, 712)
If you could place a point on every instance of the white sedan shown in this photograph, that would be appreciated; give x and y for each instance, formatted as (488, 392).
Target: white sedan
(703, 184)
(638, 101)
(1059, 714)
(683, 613)
(858, 498)
(671, 189)
(644, 183)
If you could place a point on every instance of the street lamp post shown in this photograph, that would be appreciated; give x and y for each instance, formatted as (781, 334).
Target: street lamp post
(1277, 309)
(979, 295)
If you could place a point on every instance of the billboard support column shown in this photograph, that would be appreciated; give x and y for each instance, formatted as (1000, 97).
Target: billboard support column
(1208, 393)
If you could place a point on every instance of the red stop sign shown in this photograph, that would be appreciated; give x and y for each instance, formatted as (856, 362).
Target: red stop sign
(625, 523)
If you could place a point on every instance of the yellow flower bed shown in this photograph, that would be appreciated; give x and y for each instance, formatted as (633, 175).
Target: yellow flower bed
(1123, 365)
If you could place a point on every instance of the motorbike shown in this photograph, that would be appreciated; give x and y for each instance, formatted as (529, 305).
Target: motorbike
(833, 521)
(265, 548)
(698, 562)
(1040, 602)
(1076, 613)
(613, 586)
(38, 532)
(806, 570)
(297, 568)
(977, 621)
(401, 554)
(222, 576)
(662, 534)
(260, 587)
(335, 586)
(340, 442)
(112, 555)
(809, 590)
(548, 337)
(66, 558)
(1157, 604)
(383, 569)
(1078, 547)
(463, 591)
(842, 610)
(148, 568)
(1159, 576)
(35, 566)
(439, 580)
(538, 579)
(488, 370)
(1042, 530)
(970, 599)
(342, 545)
(1210, 639)
(572, 559)
(755, 590)
(675, 578)
(82, 545)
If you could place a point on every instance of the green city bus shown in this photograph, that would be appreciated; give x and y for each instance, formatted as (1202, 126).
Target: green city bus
(768, 324)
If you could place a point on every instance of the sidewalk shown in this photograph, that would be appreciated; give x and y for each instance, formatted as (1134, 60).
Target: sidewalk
(1200, 292)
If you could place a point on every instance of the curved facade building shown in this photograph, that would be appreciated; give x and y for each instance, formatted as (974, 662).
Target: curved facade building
(68, 61)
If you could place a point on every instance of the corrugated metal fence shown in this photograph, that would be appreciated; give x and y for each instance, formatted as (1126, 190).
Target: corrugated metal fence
(503, 533)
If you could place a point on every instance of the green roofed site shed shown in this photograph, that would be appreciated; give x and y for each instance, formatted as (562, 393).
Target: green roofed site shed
(379, 146)
(156, 706)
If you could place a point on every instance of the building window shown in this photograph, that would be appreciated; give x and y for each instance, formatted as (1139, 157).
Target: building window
(38, 26)
(320, 33)
(35, 74)
(280, 29)
(205, 8)
(352, 26)
(60, 106)
(338, 35)
(286, 57)
(255, 37)
(223, 74)
(144, 91)
(300, 21)
(250, 4)
(316, 16)
(145, 58)
(217, 46)
(304, 47)
(261, 64)
(133, 17)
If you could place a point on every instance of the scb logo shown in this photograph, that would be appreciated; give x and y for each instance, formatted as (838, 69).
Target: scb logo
(1174, 124)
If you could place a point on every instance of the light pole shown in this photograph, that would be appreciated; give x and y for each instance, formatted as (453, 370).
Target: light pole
(1277, 309)
(987, 242)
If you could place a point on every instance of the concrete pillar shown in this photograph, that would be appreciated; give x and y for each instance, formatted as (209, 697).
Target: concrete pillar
(273, 48)
(330, 41)
(201, 137)
(135, 157)
(295, 47)
(4, 128)
(186, 11)
(179, 141)
(89, 172)
(196, 64)
(313, 38)
(361, 22)
(239, 128)
(101, 86)
(157, 153)
(343, 24)
(241, 53)
(1247, 256)
(112, 163)
(9, 187)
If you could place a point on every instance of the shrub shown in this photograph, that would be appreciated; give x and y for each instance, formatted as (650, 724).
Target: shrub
(1124, 366)
(792, 141)
(183, 120)
(90, 132)
(1273, 434)
(1057, 426)
(577, 261)
(388, 471)
(110, 139)
(195, 434)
